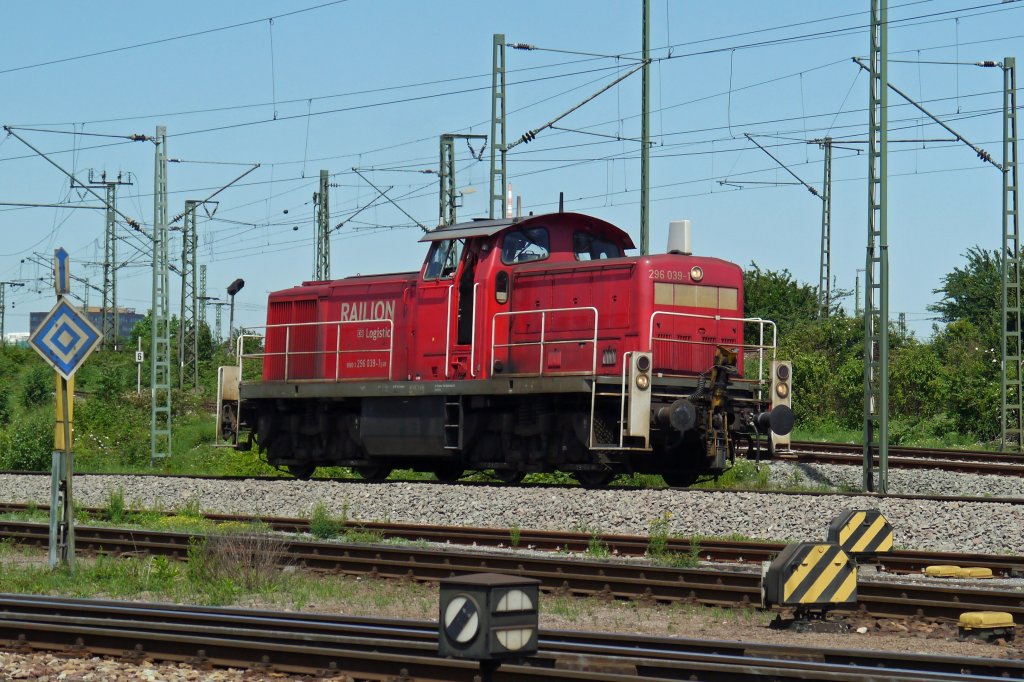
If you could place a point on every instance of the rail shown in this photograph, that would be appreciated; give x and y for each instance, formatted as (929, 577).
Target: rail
(337, 352)
(544, 312)
(759, 347)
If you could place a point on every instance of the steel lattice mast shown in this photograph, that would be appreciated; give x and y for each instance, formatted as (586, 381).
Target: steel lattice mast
(499, 165)
(876, 265)
(188, 318)
(160, 345)
(322, 251)
(1012, 412)
(825, 263)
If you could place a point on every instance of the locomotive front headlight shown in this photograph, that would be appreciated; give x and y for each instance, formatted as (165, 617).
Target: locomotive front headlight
(643, 381)
(782, 390)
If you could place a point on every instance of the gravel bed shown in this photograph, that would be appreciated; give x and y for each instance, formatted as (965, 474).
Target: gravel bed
(979, 527)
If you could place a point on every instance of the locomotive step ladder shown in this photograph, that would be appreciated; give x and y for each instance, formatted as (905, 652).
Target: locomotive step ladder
(614, 399)
(453, 423)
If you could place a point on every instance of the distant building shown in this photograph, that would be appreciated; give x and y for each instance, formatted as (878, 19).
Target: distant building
(126, 320)
(16, 339)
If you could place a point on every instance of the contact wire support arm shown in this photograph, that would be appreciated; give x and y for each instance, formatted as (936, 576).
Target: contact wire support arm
(531, 134)
(134, 224)
(384, 194)
(982, 154)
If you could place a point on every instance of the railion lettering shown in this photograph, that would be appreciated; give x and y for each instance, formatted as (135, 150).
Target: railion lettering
(367, 310)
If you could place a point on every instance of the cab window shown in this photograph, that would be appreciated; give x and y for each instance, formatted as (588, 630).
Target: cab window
(592, 247)
(443, 259)
(522, 246)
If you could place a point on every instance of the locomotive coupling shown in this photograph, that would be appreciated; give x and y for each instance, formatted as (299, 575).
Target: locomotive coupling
(680, 415)
(779, 420)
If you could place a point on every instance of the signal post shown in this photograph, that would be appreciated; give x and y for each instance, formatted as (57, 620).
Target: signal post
(64, 340)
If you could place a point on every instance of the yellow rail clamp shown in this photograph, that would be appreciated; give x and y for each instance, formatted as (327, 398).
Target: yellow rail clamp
(942, 571)
(861, 532)
(809, 574)
(987, 625)
(974, 572)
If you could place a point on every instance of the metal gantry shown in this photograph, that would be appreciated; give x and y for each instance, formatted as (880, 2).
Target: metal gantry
(322, 248)
(876, 264)
(447, 213)
(160, 318)
(825, 263)
(499, 149)
(1012, 412)
(188, 317)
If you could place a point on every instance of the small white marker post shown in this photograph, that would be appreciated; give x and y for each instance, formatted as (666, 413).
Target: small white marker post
(64, 339)
(140, 357)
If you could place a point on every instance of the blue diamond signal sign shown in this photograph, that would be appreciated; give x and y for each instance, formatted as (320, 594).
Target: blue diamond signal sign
(65, 338)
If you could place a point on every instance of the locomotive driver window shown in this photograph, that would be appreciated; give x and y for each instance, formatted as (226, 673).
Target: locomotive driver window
(443, 259)
(591, 247)
(522, 246)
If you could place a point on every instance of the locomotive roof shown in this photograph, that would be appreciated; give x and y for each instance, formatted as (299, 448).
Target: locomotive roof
(486, 228)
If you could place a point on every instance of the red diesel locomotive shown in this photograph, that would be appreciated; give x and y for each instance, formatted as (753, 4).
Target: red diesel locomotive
(521, 345)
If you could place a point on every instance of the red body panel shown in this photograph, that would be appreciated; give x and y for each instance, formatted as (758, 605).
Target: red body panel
(561, 315)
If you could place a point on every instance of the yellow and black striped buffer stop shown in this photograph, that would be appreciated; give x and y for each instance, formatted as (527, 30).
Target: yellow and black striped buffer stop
(810, 574)
(861, 532)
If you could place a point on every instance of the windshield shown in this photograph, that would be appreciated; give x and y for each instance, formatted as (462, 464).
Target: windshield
(526, 245)
(443, 259)
(591, 247)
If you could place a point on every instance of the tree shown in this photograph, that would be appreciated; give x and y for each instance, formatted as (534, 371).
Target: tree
(974, 293)
(777, 296)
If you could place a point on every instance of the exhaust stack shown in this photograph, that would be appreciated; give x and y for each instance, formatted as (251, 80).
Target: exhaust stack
(680, 237)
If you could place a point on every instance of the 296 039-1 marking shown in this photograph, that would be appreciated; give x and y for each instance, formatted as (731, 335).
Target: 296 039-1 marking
(668, 275)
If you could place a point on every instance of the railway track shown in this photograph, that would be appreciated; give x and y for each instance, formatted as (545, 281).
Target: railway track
(609, 579)
(960, 461)
(705, 549)
(378, 649)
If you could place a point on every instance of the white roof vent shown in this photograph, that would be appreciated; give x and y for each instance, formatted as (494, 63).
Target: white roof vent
(680, 237)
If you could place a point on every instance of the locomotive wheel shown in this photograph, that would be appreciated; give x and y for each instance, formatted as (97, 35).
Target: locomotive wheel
(680, 479)
(593, 478)
(303, 472)
(374, 472)
(510, 476)
(449, 473)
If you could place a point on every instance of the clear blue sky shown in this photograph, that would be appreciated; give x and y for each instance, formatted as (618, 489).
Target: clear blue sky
(372, 83)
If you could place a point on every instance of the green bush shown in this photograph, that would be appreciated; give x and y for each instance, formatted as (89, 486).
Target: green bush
(29, 442)
(38, 386)
(111, 431)
(5, 405)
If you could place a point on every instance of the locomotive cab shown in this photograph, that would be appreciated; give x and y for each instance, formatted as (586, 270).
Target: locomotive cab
(520, 345)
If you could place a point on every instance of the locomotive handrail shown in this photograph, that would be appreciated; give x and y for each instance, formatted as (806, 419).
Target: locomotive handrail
(543, 312)
(337, 351)
(472, 335)
(760, 347)
(448, 333)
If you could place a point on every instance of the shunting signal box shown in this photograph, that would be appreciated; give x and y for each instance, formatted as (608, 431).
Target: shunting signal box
(861, 532)
(488, 617)
(782, 394)
(810, 576)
